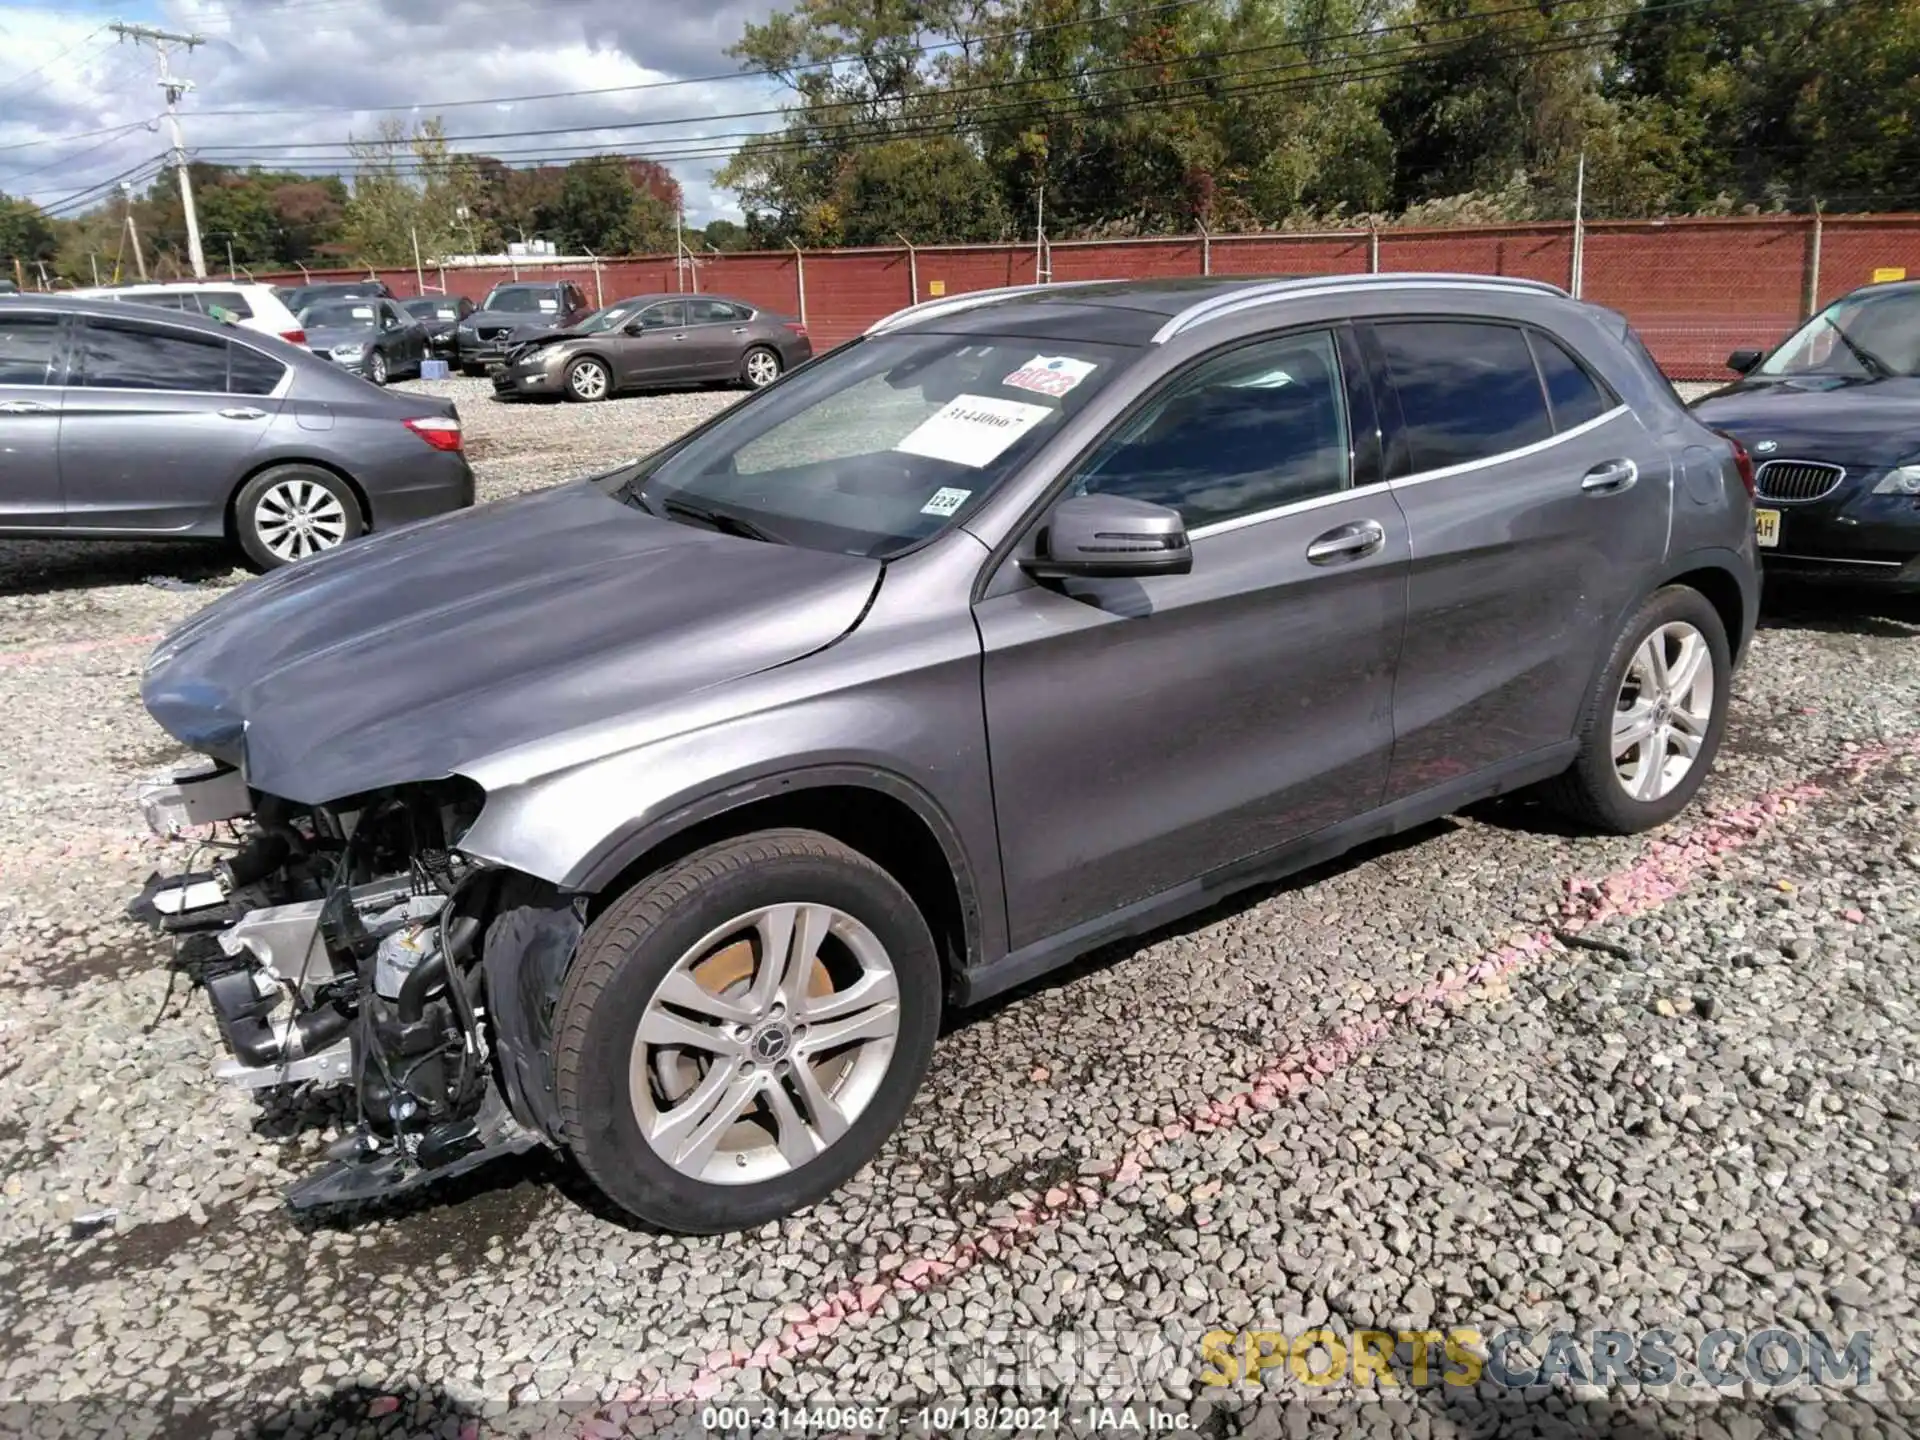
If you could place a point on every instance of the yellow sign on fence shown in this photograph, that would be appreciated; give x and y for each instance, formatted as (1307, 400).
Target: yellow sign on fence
(939, 287)
(1889, 272)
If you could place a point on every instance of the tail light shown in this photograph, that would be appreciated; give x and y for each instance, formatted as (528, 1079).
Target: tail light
(797, 328)
(438, 431)
(294, 337)
(1743, 461)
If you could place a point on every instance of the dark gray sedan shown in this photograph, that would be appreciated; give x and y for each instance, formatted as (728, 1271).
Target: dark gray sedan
(655, 340)
(371, 337)
(148, 425)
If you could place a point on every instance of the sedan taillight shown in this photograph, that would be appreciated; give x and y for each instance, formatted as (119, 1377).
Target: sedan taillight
(294, 337)
(797, 328)
(1742, 461)
(437, 430)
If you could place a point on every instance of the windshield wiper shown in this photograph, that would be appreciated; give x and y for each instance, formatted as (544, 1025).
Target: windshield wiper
(724, 521)
(1869, 361)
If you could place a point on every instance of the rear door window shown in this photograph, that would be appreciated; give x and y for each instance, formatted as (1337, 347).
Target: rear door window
(118, 356)
(670, 316)
(714, 312)
(29, 346)
(1468, 389)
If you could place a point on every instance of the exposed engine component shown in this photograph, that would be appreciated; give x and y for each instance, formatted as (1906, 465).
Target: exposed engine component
(342, 946)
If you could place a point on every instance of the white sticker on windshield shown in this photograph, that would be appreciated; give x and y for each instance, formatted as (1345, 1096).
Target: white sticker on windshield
(945, 501)
(973, 430)
(362, 312)
(1050, 374)
(550, 305)
(446, 312)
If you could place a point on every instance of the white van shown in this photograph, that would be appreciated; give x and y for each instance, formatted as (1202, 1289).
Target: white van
(253, 307)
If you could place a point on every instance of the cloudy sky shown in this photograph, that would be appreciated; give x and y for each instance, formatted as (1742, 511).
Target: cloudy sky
(276, 74)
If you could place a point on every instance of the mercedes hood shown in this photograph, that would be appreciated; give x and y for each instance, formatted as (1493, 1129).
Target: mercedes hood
(411, 655)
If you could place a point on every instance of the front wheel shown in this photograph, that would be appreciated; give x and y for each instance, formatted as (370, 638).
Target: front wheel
(588, 380)
(377, 368)
(741, 1031)
(293, 511)
(1651, 729)
(761, 367)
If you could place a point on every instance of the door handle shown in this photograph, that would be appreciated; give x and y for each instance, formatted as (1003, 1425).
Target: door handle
(24, 407)
(243, 412)
(1347, 542)
(739, 329)
(1610, 478)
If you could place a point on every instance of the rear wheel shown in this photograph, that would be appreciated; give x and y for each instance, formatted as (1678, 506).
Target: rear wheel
(741, 1031)
(1653, 725)
(588, 380)
(760, 367)
(292, 511)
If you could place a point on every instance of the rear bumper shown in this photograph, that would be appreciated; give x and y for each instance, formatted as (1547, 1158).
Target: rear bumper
(438, 484)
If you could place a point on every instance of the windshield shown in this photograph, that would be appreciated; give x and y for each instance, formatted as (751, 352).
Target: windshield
(433, 308)
(338, 315)
(1863, 335)
(520, 300)
(611, 318)
(877, 447)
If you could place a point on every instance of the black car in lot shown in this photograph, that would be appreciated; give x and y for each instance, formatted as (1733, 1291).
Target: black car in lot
(525, 306)
(1832, 420)
(441, 315)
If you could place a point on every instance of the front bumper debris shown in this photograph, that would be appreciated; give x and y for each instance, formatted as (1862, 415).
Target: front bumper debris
(343, 947)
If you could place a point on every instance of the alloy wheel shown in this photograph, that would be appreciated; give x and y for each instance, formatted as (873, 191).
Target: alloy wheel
(298, 518)
(763, 368)
(588, 380)
(1662, 713)
(377, 368)
(764, 1043)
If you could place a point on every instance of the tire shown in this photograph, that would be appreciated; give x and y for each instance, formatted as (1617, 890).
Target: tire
(588, 380)
(760, 366)
(377, 368)
(1616, 789)
(266, 509)
(691, 924)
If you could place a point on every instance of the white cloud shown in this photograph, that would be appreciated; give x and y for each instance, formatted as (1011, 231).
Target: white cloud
(336, 61)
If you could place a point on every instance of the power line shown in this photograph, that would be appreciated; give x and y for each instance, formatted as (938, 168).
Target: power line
(721, 76)
(50, 61)
(942, 93)
(136, 175)
(65, 160)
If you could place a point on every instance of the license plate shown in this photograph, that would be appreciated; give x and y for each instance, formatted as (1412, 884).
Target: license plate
(1766, 528)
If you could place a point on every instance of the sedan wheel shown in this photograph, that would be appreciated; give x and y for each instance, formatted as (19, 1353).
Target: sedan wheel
(741, 1031)
(293, 511)
(587, 380)
(761, 367)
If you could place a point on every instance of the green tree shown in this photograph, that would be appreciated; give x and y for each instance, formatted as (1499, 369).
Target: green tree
(26, 234)
(408, 187)
(934, 186)
(599, 209)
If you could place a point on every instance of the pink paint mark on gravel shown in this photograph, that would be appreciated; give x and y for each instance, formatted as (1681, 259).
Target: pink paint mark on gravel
(1665, 868)
(10, 658)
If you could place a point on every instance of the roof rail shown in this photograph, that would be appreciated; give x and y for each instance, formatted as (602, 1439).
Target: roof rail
(1250, 296)
(953, 304)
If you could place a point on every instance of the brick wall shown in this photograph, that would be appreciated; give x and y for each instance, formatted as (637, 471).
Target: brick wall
(1695, 289)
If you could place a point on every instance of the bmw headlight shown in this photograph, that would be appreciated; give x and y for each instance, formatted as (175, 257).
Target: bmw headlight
(1903, 481)
(349, 353)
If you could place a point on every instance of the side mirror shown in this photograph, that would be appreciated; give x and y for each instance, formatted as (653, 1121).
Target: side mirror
(1742, 362)
(1111, 537)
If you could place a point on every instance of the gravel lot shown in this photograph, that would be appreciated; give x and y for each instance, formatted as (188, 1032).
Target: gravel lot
(1403, 1091)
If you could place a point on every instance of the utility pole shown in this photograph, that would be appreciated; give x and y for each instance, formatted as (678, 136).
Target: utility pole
(1579, 277)
(174, 89)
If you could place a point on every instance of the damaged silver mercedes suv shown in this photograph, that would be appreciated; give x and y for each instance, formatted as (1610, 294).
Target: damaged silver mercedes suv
(659, 817)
